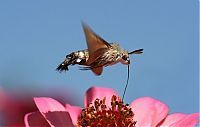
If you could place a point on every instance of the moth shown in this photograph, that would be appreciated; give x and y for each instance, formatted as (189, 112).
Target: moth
(99, 54)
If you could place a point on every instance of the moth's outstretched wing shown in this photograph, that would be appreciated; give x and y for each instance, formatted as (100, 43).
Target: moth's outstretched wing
(96, 48)
(97, 70)
(94, 42)
(94, 61)
(96, 55)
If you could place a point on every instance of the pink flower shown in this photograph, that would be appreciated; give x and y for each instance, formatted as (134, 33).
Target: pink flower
(13, 108)
(144, 111)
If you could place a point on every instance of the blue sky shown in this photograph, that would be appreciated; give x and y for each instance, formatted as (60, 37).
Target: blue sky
(35, 36)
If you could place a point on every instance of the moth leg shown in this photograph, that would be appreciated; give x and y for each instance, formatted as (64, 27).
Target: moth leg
(96, 70)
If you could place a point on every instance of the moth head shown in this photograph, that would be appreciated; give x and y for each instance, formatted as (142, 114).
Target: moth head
(125, 58)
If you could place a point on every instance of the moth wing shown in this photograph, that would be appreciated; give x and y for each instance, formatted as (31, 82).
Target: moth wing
(97, 70)
(94, 42)
(95, 55)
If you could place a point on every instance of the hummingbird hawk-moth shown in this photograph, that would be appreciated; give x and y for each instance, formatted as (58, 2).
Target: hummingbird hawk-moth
(99, 54)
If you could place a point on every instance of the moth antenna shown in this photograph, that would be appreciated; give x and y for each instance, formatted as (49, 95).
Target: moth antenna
(126, 83)
(139, 51)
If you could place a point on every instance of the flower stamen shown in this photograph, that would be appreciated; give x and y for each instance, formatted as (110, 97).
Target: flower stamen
(99, 115)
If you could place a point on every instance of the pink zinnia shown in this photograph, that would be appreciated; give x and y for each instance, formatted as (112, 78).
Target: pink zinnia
(103, 107)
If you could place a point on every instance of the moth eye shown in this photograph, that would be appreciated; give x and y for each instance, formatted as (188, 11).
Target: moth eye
(124, 57)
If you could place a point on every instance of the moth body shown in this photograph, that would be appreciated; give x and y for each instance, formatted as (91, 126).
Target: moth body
(99, 54)
(111, 56)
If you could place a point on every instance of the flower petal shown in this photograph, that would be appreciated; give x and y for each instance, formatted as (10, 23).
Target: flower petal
(148, 111)
(35, 119)
(98, 92)
(53, 112)
(74, 112)
(173, 118)
(46, 104)
(188, 121)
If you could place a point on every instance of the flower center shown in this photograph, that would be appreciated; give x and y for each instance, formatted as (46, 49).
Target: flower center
(99, 115)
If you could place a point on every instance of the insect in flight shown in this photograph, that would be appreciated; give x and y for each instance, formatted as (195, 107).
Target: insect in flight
(99, 54)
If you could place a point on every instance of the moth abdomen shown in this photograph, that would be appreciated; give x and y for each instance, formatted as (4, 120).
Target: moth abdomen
(64, 65)
(78, 57)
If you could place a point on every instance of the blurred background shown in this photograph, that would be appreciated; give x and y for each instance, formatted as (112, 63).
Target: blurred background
(35, 36)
